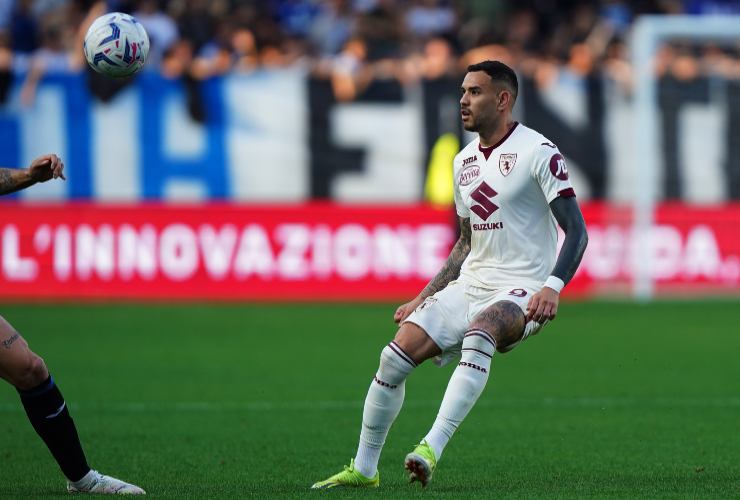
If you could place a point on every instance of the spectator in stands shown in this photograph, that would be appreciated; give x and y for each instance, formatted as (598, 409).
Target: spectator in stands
(216, 56)
(197, 20)
(430, 17)
(383, 31)
(6, 11)
(367, 49)
(332, 27)
(244, 45)
(52, 57)
(349, 75)
(6, 65)
(160, 27)
(24, 27)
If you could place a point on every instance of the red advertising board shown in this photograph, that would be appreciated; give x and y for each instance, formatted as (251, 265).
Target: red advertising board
(690, 250)
(300, 252)
(319, 252)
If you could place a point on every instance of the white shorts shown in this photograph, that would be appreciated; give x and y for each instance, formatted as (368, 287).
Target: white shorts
(446, 315)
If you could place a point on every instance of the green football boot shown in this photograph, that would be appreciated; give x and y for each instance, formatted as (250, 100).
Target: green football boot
(348, 477)
(420, 463)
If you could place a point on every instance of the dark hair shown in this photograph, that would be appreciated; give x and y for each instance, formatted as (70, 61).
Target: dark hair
(499, 72)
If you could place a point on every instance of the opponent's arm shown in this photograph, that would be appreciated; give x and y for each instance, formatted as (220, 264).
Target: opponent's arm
(544, 304)
(14, 179)
(450, 271)
(41, 169)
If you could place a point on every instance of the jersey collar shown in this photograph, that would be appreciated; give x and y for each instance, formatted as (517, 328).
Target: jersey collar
(488, 150)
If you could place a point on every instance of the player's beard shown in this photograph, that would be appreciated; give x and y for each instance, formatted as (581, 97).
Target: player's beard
(480, 122)
(478, 125)
(472, 124)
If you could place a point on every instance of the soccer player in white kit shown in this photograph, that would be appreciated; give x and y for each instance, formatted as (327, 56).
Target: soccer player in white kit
(500, 284)
(40, 396)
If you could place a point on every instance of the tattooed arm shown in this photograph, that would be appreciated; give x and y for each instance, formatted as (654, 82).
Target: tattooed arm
(449, 272)
(451, 268)
(41, 169)
(14, 179)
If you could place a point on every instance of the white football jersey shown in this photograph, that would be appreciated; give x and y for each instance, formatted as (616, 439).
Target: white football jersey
(506, 197)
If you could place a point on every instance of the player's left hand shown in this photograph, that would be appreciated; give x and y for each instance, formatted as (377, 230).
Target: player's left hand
(46, 167)
(543, 306)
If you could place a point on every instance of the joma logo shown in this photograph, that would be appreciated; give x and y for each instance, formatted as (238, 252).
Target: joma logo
(468, 161)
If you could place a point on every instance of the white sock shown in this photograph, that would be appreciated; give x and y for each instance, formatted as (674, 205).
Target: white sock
(382, 404)
(465, 386)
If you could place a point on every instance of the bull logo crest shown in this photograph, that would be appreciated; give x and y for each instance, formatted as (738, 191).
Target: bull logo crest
(506, 163)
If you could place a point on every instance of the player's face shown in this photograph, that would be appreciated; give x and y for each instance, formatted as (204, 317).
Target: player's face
(479, 104)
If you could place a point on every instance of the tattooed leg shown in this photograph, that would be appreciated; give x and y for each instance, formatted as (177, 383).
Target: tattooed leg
(9, 341)
(44, 404)
(18, 364)
(502, 323)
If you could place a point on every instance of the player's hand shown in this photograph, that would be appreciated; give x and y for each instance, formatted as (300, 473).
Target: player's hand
(403, 311)
(46, 167)
(543, 306)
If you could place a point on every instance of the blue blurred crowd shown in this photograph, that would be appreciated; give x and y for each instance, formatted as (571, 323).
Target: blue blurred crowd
(352, 42)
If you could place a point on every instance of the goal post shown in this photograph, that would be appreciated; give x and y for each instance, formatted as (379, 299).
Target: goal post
(649, 32)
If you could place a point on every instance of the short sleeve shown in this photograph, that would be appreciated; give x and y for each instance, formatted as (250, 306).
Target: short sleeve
(460, 207)
(551, 172)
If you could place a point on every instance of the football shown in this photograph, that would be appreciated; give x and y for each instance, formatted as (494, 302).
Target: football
(116, 45)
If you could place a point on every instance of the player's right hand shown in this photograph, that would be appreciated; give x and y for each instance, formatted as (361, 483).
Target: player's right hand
(403, 311)
(46, 167)
(543, 306)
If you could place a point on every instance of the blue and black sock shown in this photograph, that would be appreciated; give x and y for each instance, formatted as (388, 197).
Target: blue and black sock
(49, 416)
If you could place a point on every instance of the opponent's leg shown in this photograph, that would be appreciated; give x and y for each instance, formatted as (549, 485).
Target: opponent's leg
(502, 325)
(42, 400)
(48, 413)
(383, 403)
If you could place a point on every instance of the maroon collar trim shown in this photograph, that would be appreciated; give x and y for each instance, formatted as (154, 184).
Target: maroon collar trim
(488, 150)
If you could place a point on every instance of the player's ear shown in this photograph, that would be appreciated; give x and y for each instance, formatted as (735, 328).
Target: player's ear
(504, 100)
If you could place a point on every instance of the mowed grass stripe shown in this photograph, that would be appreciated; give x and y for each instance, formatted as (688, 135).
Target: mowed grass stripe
(613, 399)
(272, 406)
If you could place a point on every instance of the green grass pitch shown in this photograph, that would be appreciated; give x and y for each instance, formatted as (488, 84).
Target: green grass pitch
(613, 399)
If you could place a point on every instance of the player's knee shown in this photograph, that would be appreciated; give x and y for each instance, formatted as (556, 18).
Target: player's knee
(504, 321)
(31, 373)
(395, 364)
(478, 344)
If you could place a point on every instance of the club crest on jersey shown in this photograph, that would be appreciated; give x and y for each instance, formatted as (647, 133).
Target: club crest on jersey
(468, 175)
(506, 163)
